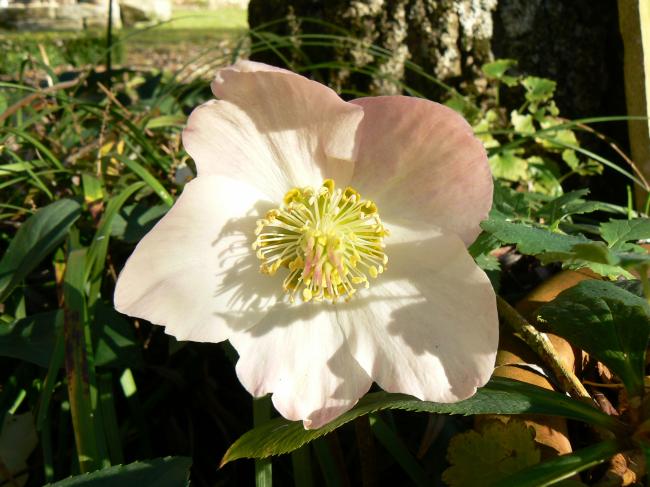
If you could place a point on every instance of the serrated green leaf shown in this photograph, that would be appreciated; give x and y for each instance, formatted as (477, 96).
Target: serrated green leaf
(544, 175)
(569, 156)
(618, 233)
(608, 322)
(499, 396)
(498, 68)
(484, 244)
(510, 203)
(592, 255)
(161, 472)
(496, 451)
(556, 209)
(523, 124)
(530, 240)
(557, 139)
(507, 165)
(34, 240)
(538, 89)
(563, 467)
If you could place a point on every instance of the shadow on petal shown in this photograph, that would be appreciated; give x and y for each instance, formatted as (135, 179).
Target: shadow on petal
(248, 294)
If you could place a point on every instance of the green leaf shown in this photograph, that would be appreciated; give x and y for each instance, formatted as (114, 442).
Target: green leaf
(538, 89)
(174, 120)
(523, 124)
(161, 472)
(606, 321)
(113, 339)
(544, 175)
(498, 68)
(507, 165)
(618, 233)
(496, 451)
(530, 240)
(93, 188)
(569, 156)
(36, 239)
(499, 396)
(133, 222)
(148, 178)
(562, 467)
(559, 139)
(556, 209)
(99, 246)
(510, 203)
(78, 362)
(594, 255)
(31, 339)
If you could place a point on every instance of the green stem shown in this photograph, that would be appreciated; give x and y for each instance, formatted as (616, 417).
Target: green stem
(263, 466)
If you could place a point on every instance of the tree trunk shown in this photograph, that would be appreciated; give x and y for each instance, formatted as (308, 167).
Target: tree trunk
(449, 39)
(575, 42)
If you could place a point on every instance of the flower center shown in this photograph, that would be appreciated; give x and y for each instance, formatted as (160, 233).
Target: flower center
(329, 239)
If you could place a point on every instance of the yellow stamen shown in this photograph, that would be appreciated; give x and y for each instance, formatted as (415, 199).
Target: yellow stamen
(329, 241)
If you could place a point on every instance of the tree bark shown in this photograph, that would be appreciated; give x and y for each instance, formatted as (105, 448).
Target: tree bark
(576, 43)
(448, 39)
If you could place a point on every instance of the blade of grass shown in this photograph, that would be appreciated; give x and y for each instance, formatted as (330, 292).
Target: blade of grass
(109, 416)
(56, 361)
(301, 464)
(396, 447)
(148, 178)
(37, 145)
(328, 465)
(76, 363)
(99, 246)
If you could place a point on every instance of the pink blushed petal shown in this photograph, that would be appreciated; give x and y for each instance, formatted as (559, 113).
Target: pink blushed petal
(428, 326)
(273, 129)
(298, 353)
(195, 272)
(419, 160)
(298, 102)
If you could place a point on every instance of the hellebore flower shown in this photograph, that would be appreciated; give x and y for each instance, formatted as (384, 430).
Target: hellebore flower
(327, 241)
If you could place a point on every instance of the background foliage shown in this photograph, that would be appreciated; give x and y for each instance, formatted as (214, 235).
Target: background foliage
(90, 160)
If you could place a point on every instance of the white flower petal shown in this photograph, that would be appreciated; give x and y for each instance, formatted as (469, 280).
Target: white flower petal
(420, 160)
(195, 272)
(428, 326)
(273, 129)
(298, 353)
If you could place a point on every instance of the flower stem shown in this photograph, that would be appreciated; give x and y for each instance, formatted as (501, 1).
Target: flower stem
(541, 345)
